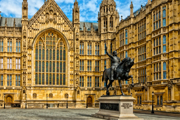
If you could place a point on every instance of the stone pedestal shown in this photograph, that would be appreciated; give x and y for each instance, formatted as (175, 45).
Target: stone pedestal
(116, 108)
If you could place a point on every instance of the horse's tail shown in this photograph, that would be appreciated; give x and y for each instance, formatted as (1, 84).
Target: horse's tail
(103, 75)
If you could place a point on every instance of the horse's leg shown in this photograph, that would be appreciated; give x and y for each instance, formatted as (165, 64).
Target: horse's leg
(107, 91)
(120, 86)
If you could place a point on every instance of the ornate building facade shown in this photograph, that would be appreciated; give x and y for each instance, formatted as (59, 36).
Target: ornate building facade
(50, 60)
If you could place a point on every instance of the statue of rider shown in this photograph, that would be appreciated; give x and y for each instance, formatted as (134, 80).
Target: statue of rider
(115, 61)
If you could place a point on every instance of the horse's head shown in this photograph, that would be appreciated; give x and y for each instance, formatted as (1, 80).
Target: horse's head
(128, 63)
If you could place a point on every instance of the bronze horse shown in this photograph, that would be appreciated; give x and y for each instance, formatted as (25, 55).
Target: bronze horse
(122, 73)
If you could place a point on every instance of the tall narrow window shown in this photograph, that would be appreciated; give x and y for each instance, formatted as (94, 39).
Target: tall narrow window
(142, 53)
(96, 81)
(89, 49)
(88, 81)
(18, 46)
(161, 100)
(142, 30)
(89, 65)
(142, 75)
(164, 16)
(1, 80)
(17, 80)
(9, 47)
(1, 63)
(157, 71)
(81, 48)
(96, 66)
(104, 48)
(9, 80)
(97, 49)
(81, 65)
(164, 70)
(126, 54)
(81, 81)
(157, 46)
(111, 22)
(9, 63)
(126, 36)
(18, 63)
(105, 24)
(164, 44)
(1, 44)
(121, 38)
(104, 64)
(111, 47)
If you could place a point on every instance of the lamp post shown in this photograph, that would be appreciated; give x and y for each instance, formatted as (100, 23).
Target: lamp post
(4, 101)
(47, 101)
(67, 100)
(26, 102)
(152, 103)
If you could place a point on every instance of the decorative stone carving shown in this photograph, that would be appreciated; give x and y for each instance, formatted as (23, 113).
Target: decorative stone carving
(24, 63)
(170, 84)
(126, 105)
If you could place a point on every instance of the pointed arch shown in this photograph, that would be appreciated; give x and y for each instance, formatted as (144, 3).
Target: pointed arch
(51, 58)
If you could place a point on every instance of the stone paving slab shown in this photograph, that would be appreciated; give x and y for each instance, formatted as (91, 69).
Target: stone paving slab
(64, 114)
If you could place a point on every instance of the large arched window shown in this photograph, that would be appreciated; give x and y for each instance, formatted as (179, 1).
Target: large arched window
(50, 60)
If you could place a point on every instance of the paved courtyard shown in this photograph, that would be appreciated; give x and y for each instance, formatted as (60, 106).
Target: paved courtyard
(64, 114)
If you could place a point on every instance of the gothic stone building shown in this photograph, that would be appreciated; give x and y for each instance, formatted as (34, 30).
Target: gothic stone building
(50, 60)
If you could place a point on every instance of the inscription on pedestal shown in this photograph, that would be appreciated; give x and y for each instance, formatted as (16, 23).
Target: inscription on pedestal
(126, 105)
(109, 106)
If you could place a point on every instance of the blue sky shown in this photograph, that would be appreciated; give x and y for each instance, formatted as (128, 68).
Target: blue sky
(88, 8)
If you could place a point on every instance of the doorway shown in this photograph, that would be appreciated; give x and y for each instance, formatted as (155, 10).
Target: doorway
(89, 101)
(9, 100)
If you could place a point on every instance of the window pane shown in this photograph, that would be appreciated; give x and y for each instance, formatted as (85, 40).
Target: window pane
(164, 22)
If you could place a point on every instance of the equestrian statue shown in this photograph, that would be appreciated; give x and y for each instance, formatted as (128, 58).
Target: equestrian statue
(118, 71)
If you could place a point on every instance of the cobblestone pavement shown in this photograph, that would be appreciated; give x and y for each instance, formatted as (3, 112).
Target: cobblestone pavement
(64, 114)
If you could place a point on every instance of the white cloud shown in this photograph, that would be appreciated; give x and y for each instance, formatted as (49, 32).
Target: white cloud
(65, 1)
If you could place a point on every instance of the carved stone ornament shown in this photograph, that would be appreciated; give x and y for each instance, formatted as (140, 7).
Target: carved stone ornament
(126, 105)
(24, 63)
(51, 15)
(169, 84)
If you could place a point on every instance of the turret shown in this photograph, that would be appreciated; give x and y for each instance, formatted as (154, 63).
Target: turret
(131, 12)
(76, 20)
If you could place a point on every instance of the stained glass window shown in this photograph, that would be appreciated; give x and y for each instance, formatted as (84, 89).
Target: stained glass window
(50, 61)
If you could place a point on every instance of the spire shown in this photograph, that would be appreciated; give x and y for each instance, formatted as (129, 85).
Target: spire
(14, 23)
(131, 11)
(149, 1)
(6, 22)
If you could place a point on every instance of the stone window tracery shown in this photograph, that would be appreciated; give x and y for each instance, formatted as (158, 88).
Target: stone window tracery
(89, 49)
(1, 63)
(18, 46)
(81, 48)
(96, 81)
(1, 44)
(142, 30)
(18, 79)
(111, 22)
(89, 65)
(9, 46)
(157, 71)
(81, 81)
(89, 81)
(9, 80)
(1, 80)
(157, 45)
(97, 49)
(50, 60)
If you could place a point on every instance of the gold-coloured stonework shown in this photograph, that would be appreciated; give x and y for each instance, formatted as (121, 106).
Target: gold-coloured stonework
(150, 35)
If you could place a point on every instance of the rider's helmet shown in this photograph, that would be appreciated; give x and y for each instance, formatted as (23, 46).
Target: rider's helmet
(114, 53)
